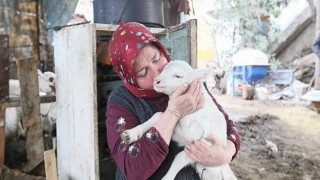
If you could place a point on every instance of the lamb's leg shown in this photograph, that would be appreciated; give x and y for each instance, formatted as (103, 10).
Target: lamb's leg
(227, 173)
(180, 161)
(132, 135)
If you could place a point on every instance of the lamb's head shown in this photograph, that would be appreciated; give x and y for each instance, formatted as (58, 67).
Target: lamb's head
(46, 81)
(175, 74)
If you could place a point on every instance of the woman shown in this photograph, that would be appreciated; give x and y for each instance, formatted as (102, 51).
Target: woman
(138, 58)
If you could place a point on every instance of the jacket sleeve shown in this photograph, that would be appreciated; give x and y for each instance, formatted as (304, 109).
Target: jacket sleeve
(232, 132)
(138, 160)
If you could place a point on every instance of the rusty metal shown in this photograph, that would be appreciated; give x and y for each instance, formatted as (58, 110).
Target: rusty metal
(4, 66)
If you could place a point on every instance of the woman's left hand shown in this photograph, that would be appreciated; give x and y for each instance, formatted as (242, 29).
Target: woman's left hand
(215, 155)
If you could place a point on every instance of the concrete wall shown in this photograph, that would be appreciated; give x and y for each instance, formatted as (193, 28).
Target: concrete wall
(300, 45)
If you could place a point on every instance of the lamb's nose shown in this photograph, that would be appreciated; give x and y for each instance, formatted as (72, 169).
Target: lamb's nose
(158, 81)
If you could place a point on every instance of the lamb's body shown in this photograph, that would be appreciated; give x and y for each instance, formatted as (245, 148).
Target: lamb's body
(201, 124)
(198, 125)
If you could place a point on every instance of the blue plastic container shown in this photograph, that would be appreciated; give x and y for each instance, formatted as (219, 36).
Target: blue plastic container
(251, 73)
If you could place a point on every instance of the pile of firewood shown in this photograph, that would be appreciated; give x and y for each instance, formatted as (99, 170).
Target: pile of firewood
(304, 68)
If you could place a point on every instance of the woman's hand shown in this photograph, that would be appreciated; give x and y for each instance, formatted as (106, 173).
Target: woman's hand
(216, 155)
(186, 99)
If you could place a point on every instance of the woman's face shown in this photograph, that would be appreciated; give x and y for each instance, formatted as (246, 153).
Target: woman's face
(148, 65)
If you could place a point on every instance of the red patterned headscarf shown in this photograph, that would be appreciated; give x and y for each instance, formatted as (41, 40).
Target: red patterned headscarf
(125, 45)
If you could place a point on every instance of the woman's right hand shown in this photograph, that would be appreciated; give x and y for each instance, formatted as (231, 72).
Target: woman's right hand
(186, 99)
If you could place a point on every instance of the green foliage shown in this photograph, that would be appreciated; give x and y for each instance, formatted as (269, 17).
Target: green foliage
(275, 63)
(247, 22)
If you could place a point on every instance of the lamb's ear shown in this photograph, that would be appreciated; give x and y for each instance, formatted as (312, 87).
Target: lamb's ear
(40, 74)
(201, 74)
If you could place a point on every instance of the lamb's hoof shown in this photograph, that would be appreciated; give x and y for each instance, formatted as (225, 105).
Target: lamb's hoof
(125, 137)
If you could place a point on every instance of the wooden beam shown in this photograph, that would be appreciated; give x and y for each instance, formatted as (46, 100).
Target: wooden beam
(317, 70)
(30, 104)
(15, 102)
(192, 30)
(50, 164)
(77, 114)
(2, 134)
(4, 66)
(4, 92)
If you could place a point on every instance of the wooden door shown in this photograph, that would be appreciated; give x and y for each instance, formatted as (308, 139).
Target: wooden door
(183, 42)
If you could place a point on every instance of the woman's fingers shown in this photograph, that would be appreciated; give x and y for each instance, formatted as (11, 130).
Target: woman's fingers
(198, 151)
(193, 151)
(194, 88)
(214, 140)
(191, 154)
(186, 99)
(181, 90)
(199, 97)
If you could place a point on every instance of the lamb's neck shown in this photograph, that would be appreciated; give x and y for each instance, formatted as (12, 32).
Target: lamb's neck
(207, 104)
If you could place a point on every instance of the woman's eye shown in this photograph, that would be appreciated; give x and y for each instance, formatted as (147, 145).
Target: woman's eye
(142, 74)
(156, 60)
(177, 76)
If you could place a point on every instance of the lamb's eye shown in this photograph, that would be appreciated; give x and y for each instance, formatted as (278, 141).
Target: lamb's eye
(177, 76)
(51, 79)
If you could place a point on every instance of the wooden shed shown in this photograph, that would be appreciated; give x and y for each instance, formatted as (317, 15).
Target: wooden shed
(81, 92)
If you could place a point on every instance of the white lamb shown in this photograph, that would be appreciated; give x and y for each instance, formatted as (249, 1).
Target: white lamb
(46, 82)
(198, 125)
(13, 119)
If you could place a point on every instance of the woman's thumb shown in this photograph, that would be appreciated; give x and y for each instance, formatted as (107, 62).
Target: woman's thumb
(213, 140)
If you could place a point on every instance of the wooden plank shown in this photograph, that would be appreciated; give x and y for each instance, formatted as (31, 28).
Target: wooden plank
(192, 31)
(15, 102)
(109, 28)
(2, 133)
(4, 66)
(317, 70)
(24, 34)
(76, 96)
(50, 164)
(30, 104)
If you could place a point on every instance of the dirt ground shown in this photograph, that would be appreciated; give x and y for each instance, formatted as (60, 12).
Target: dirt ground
(279, 140)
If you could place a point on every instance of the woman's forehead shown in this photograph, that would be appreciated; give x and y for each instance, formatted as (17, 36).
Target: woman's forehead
(147, 53)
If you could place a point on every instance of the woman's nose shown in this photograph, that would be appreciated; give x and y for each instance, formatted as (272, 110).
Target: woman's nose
(155, 73)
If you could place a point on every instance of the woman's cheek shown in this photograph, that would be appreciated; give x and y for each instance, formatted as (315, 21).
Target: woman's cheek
(149, 83)
(145, 83)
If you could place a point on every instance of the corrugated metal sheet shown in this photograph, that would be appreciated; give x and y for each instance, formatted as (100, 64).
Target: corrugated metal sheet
(4, 66)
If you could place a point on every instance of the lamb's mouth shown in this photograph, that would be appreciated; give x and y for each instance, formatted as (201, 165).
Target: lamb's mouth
(158, 88)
